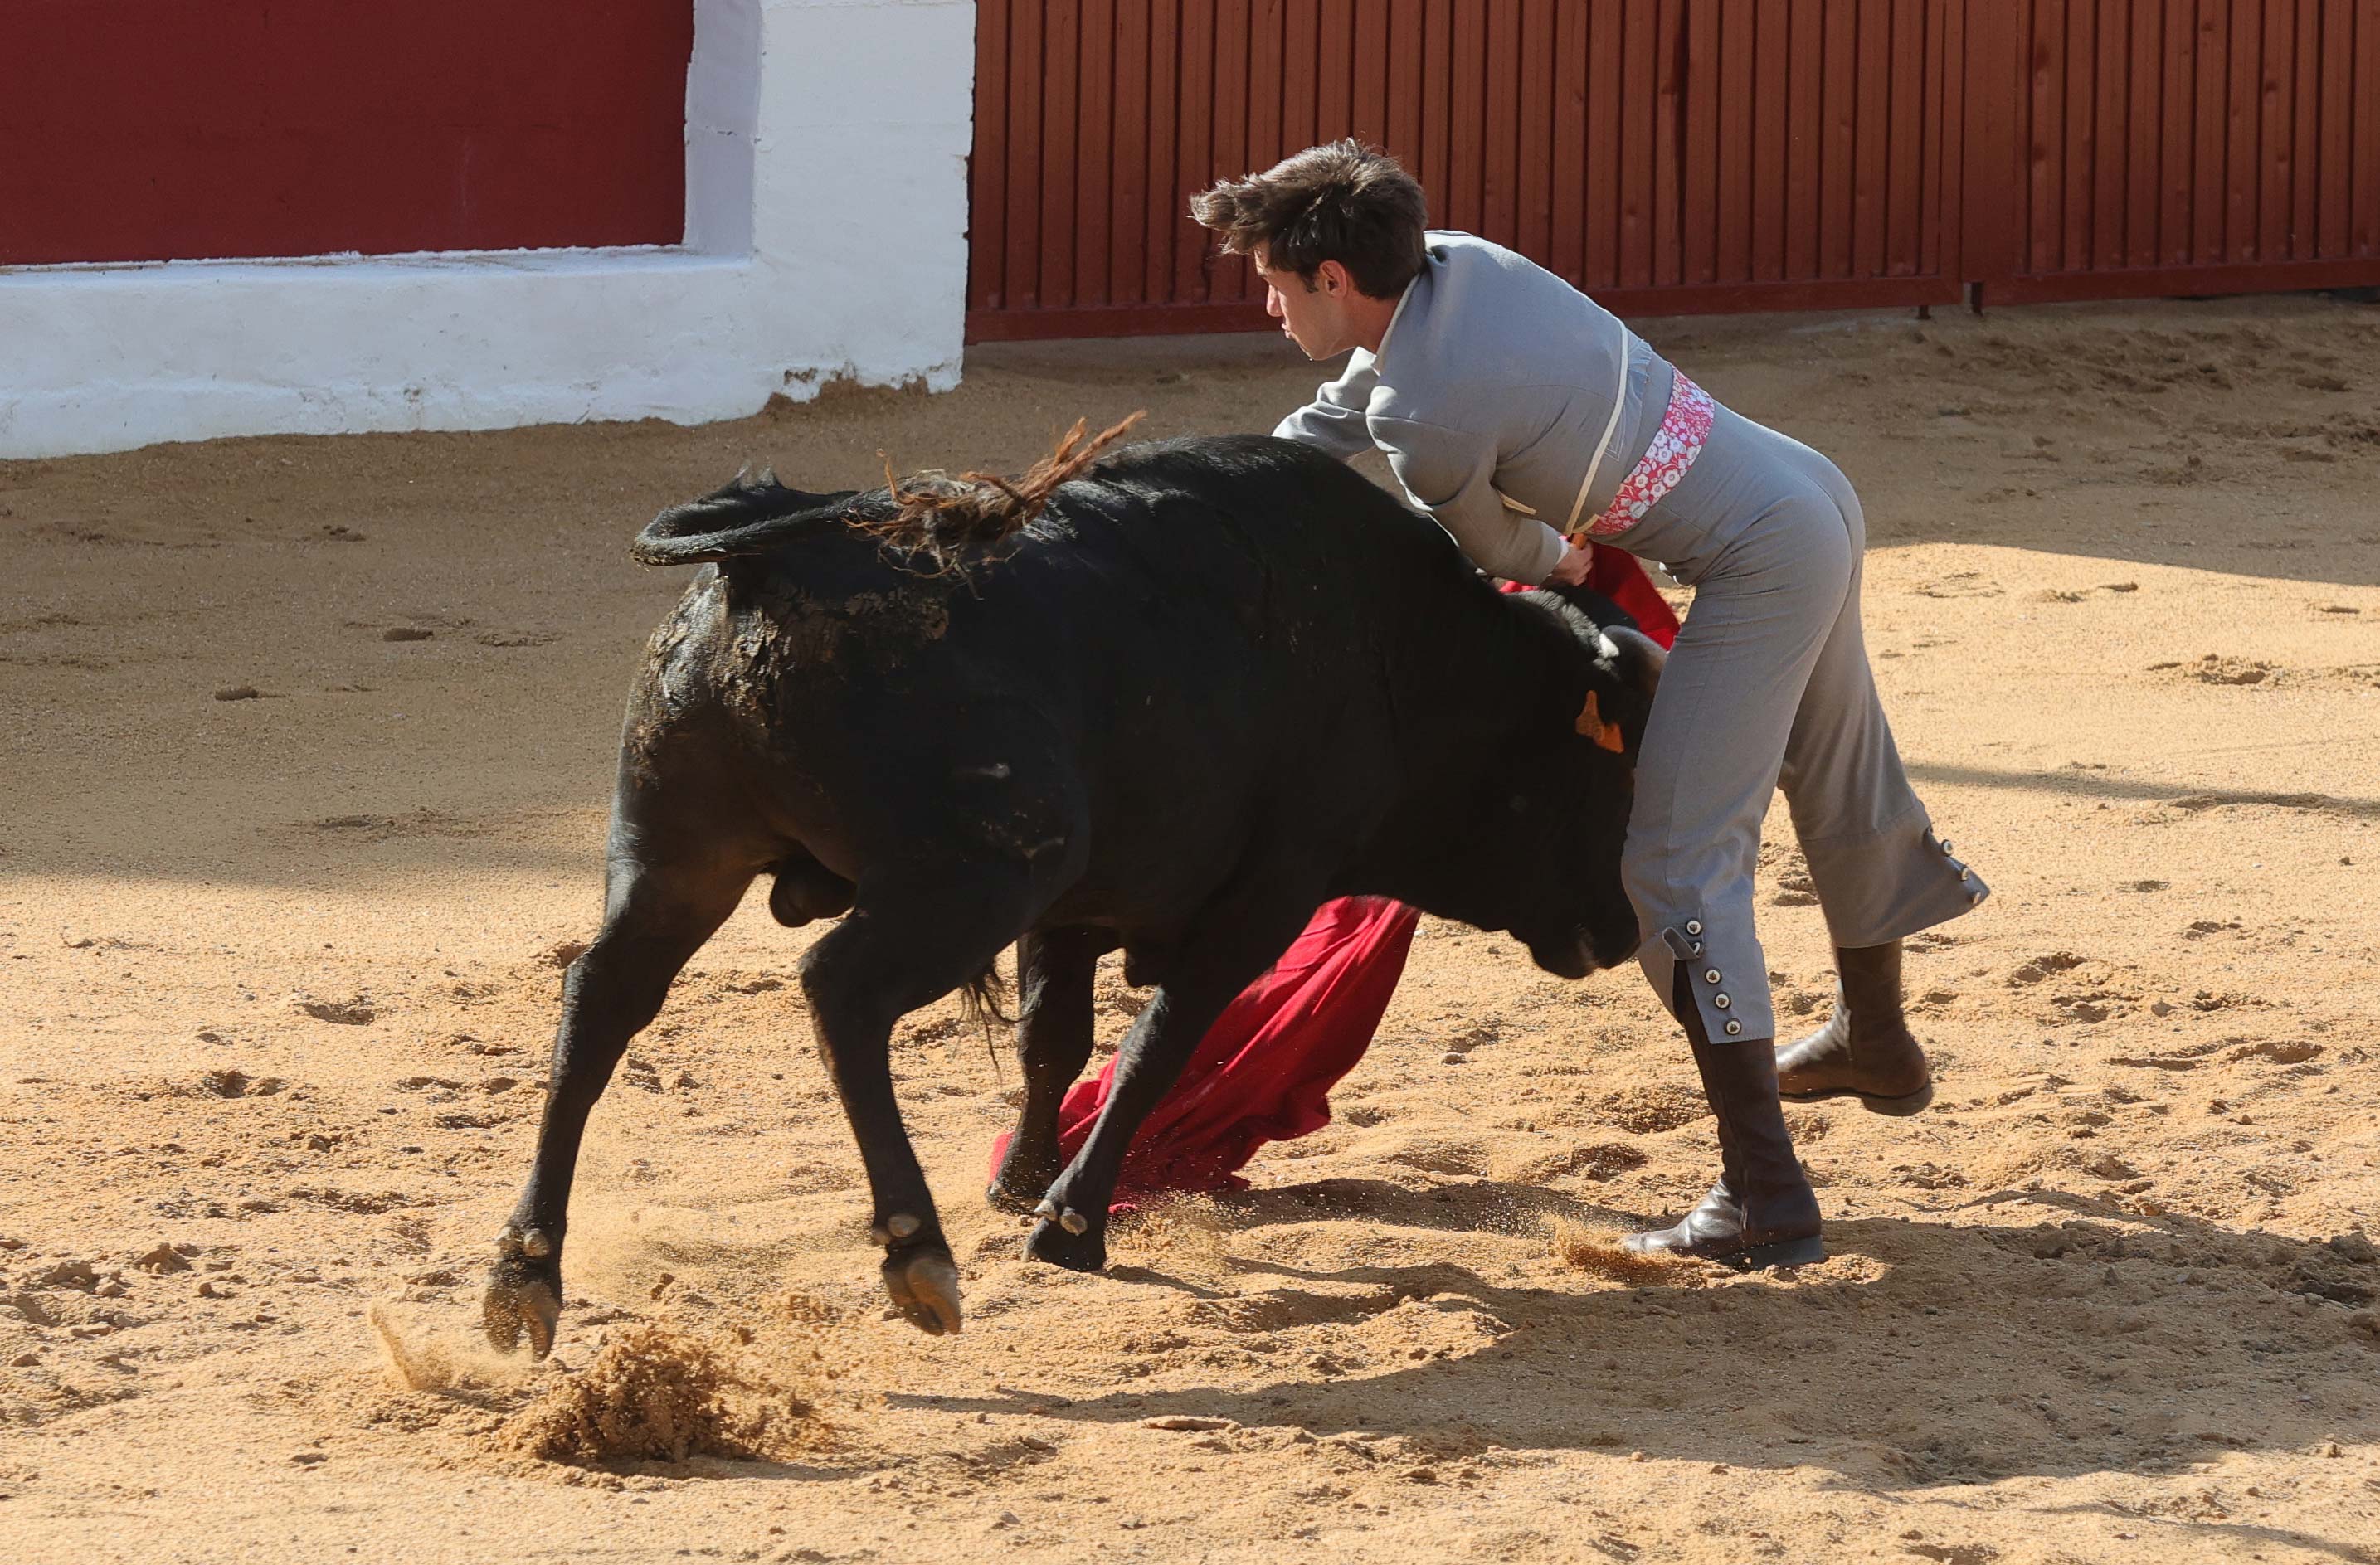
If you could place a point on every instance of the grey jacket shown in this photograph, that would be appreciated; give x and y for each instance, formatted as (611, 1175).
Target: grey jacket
(1489, 395)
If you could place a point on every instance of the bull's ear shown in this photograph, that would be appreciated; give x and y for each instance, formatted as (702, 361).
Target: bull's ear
(1637, 658)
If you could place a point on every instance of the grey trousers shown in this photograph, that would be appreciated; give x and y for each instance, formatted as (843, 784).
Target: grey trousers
(1768, 687)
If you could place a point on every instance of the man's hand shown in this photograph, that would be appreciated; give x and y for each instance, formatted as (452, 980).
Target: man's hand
(1571, 570)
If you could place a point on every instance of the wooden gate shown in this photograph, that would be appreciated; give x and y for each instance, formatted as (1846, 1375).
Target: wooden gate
(1665, 154)
(1676, 155)
(2158, 147)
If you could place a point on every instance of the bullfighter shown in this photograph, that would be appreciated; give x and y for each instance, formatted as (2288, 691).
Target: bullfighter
(1530, 422)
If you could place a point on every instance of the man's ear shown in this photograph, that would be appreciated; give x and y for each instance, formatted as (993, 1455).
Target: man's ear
(1332, 277)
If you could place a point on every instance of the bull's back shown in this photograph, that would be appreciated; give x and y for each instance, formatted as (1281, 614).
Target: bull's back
(1195, 630)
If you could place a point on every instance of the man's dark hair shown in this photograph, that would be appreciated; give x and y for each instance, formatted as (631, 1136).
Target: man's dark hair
(1340, 202)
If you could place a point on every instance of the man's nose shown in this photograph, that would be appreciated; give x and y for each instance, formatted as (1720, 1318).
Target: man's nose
(1272, 302)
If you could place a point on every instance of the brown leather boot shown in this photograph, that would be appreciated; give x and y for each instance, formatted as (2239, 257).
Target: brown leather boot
(1865, 1047)
(1762, 1212)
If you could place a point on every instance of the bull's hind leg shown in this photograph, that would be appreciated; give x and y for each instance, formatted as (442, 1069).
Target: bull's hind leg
(1239, 938)
(906, 943)
(1054, 969)
(656, 914)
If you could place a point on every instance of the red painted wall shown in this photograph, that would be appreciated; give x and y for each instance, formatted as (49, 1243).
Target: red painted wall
(181, 129)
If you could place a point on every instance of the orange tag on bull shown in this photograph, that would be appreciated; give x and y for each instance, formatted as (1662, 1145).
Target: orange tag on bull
(1590, 723)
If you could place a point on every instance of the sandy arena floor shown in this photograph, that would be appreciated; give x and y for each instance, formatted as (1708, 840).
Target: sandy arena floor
(279, 983)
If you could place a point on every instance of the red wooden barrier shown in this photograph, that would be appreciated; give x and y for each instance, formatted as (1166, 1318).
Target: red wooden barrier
(160, 129)
(1673, 155)
(2187, 146)
(1667, 154)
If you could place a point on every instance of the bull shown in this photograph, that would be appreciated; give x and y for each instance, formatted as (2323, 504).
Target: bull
(1169, 697)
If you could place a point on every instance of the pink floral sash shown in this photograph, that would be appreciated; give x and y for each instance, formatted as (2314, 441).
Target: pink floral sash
(1683, 429)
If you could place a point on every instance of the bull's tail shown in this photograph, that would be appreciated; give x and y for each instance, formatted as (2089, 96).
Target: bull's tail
(747, 516)
(931, 516)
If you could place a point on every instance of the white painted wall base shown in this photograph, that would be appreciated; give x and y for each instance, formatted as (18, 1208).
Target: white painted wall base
(827, 211)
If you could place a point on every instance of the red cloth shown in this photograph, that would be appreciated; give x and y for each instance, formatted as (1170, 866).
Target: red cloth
(1615, 575)
(1265, 1069)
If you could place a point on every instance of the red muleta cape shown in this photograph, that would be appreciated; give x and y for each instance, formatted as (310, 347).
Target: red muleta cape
(1265, 1069)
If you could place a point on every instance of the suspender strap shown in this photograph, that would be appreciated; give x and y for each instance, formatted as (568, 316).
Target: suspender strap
(1610, 427)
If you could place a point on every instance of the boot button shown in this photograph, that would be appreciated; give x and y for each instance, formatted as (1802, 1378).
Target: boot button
(1710, 975)
(1946, 847)
(1695, 949)
(1721, 1002)
(1974, 899)
(1733, 1028)
(1694, 925)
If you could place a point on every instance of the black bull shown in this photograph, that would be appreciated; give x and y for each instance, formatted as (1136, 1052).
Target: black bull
(1211, 683)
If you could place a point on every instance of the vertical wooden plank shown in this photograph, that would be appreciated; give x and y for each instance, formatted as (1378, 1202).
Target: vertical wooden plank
(1840, 164)
(1805, 115)
(2211, 141)
(1998, 83)
(1194, 144)
(1571, 153)
(1404, 94)
(2337, 197)
(2178, 221)
(2277, 129)
(1266, 111)
(1708, 59)
(1639, 89)
(1771, 131)
(2143, 164)
(2305, 130)
(1094, 150)
(2079, 166)
(1535, 195)
(1500, 172)
(1367, 83)
(2110, 118)
(1436, 39)
(2364, 225)
(1929, 165)
(1466, 123)
(1130, 191)
(1951, 263)
(1324, 61)
(1874, 140)
(1025, 76)
(2241, 122)
(1607, 142)
(1060, 57)
(1168, 223)
(2044, 32)
(988, 168)
(1738, 55)
(1227, 275)
(1433, 41)
(1907, 135)
(1668, 121)
(1306, 81)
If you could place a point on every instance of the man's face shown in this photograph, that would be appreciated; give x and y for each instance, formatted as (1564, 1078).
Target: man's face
(1314, 316)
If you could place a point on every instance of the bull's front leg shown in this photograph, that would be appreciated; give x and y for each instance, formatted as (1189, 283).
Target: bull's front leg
(1054, 971)
(1242, 935)
(654, 920)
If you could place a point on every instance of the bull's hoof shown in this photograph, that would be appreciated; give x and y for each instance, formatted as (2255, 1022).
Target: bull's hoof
(925, 1288)
(523, 1295)
(1059, 1245)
